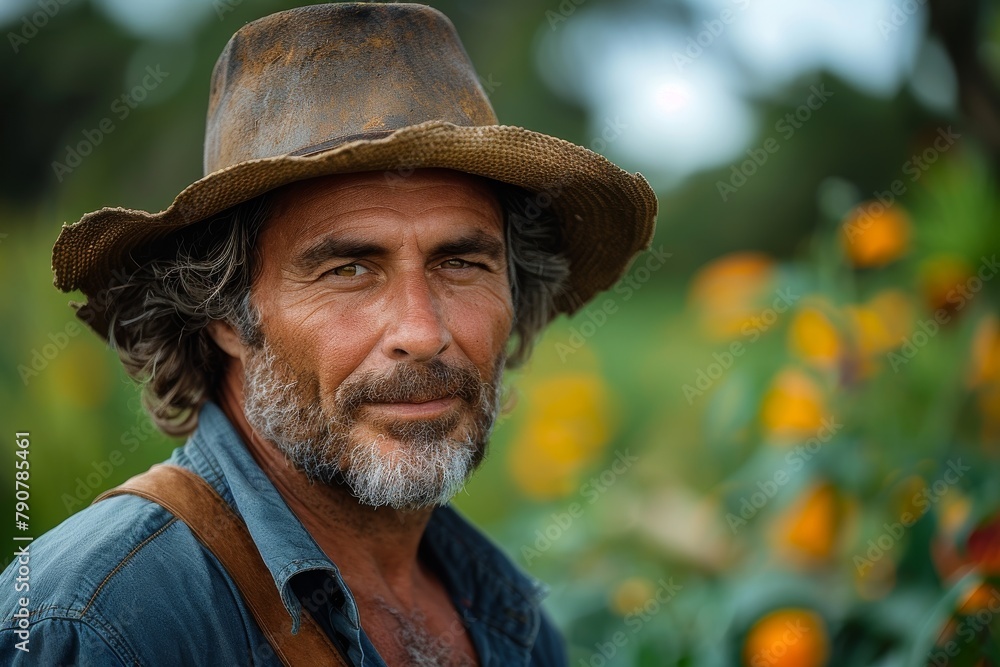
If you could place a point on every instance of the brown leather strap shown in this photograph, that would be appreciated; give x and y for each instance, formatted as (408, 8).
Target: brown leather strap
(192, 500)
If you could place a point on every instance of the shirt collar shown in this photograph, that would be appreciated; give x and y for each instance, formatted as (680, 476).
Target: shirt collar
(484, 584)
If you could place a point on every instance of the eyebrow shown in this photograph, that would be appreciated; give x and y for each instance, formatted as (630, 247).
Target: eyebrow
(475, 243)
(313, 256)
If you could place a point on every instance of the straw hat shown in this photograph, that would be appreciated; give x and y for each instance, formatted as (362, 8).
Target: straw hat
(339, 88)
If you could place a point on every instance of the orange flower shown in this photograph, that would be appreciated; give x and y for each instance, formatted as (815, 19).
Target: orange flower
(813, 338)
(868, 331)
(984, 375)
(876, 327)
(729, 291)
(787, 638)
(568, 421)
(976, 597)
(986, 352)
(793, 406)
(875, 235)
(809, 528)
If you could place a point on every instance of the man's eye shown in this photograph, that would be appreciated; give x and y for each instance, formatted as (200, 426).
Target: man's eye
(455, 263)
(349, 270)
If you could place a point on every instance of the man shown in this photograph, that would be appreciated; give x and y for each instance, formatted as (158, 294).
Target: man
(327, 315)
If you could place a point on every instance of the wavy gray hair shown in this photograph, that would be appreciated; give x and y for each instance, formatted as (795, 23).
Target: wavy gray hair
(158, 317)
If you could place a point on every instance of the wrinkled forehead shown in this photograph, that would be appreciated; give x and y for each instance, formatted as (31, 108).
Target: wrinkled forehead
(300, 208)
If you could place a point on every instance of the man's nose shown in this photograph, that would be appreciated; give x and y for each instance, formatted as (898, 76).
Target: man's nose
(417, 330)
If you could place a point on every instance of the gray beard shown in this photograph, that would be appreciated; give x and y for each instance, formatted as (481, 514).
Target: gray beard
(429, 465)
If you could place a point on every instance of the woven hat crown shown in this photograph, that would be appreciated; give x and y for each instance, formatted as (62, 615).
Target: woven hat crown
(307, 79)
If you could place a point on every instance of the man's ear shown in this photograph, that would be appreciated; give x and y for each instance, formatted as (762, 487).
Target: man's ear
(227, 339)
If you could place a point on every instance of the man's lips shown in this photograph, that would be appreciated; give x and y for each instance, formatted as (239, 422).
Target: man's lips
(416, 410)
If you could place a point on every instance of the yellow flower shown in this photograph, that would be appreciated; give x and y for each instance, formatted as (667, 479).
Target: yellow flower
(814, 339)
(793, 406)
(631, 594)
(986, 352)
(870, 332)
(729, 291)
(787, 637)
(866, 332)
(875, 235)
(568, 420)
(878, 326)
(809, 528)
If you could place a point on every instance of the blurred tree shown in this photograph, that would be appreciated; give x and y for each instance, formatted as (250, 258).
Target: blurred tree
(967, 29)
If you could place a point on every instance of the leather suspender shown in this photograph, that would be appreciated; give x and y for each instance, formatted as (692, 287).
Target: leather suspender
(192, 500)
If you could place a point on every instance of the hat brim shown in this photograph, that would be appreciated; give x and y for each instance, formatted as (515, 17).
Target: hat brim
(607, 214)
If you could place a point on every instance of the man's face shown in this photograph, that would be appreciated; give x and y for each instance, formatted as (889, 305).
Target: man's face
(386, 311)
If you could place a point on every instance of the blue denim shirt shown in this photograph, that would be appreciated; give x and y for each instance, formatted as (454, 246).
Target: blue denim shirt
(124, 582)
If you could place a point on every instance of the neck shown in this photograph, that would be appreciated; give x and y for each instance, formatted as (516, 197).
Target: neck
(374, 548)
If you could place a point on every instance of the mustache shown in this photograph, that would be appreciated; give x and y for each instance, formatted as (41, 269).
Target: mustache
(412, 383)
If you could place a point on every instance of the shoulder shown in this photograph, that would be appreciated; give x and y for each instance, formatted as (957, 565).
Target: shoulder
(122, 578)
